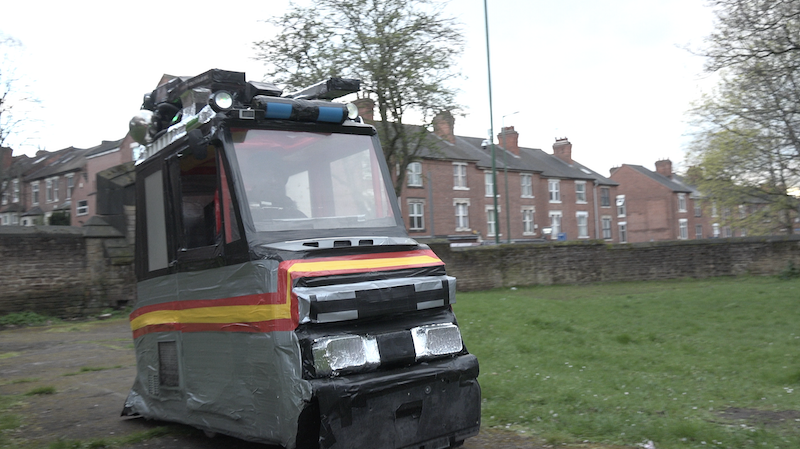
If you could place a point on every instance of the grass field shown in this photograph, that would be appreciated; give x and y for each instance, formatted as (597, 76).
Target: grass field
(686, 364)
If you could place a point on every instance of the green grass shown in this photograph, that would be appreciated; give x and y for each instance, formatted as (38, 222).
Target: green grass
(627, 362)
(41, 390)
(25, 319)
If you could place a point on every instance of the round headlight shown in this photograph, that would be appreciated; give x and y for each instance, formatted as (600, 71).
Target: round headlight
(352, 111)
(221, 101)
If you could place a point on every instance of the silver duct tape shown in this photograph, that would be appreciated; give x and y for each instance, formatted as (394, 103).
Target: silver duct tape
(259, 276)
(430, 304)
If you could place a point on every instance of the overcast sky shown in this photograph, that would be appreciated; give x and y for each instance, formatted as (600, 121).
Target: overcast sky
(614, 77)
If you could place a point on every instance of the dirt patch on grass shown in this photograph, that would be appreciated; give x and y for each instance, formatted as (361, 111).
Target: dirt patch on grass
(754, 417)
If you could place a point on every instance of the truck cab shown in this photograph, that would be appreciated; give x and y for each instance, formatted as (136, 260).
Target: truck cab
(279, 297)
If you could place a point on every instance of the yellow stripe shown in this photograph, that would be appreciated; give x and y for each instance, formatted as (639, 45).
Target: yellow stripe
(362, 264)
(221, 314)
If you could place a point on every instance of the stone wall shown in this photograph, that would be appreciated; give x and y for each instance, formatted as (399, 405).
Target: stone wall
(480, 268)
(65, 271)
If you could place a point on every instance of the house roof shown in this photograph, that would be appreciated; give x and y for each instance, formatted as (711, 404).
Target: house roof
(105, 147)
(675, 186)
(48, 164)
(529, 160)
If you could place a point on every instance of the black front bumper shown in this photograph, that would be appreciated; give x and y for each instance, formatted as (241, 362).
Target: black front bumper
(426, 406)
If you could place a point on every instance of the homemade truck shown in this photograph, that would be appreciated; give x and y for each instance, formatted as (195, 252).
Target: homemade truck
(280, 299)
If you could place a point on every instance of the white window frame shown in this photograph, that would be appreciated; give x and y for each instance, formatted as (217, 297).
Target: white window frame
(70, 186)
(582, 219)
(528, 220)
(416, 214)
(6, 195)
(715, 230)
(82, 209)
(681, 202)
(35, 193)
(727, 232)
(580, 192)
(605, 194)
(526, 185)
(554, 190)
(414, 174)
(622, 207)
(15, 191)
(555, 225)
(698, 231)
(462, 220)
(698, 209)
(488, 182)
(460, 176)
(605, 221)
(622, 231)
(491, 224)
(55, 189)
(48, 189)
(683, 229)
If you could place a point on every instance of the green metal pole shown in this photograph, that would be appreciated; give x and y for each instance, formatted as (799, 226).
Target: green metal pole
(491, 127)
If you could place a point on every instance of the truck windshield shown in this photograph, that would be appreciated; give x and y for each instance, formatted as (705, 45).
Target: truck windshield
(302, 180)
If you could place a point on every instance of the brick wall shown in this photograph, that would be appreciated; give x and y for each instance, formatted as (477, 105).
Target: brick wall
(64, 271)
(488, 267)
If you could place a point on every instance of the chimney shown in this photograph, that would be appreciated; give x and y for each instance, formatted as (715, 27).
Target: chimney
(6, 158)
(664, 168)
(509, 139)
(562, 149)
(366, 108)
(443, 125)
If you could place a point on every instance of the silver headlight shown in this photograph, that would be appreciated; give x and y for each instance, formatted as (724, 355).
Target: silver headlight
(436, 340)
(345, 353)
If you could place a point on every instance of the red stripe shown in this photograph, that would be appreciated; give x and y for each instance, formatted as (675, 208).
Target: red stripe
(247, 300)
(254, 327)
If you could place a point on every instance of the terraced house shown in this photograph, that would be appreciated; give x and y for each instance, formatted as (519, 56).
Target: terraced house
(449, 191)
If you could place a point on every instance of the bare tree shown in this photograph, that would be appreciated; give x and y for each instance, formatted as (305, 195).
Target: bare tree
(748, 148)
(402, 50)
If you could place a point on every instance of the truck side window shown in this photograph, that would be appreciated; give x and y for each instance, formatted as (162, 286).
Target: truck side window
(199, 199)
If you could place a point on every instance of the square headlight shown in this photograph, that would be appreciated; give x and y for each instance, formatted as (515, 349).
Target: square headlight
(345, 353)
(436, 340)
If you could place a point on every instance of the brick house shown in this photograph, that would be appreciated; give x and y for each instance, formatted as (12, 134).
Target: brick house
(58, 182)
(659, 205)
(448, 192)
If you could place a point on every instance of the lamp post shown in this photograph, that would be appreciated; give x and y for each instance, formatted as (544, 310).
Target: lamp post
(491, 125)
(505, 174)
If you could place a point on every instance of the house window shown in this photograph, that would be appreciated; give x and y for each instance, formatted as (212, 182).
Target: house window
(416, 219)
(489, 183)
(714, 212)
(527, 221)
(491, 222)
(622, 209)
(715, 228)
(525, 180)
(681, 202)
(14, 219)
(555, 222)
(580, 192)
(414, 173)
(48, 188)
(742, 211)
(82, 208)
(70, 186)
(605, 197)
(623, 232)
(554, 187)
(683, 229)
(35, 193)
(4, 201)
(698, 210)
(462, 214)
(743, 232)
(726, 232)
(15, 191)
(583, 224)
(55, 189)
(460, 176)
(5, 219)
(698, 231)
(606, 224)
